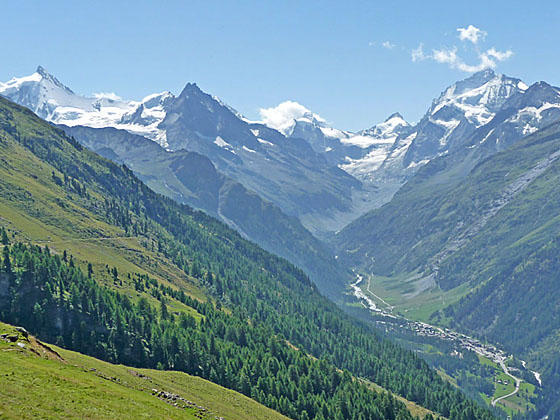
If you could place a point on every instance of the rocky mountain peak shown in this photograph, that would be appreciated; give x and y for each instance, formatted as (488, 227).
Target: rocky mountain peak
(47, 77)
(191, 89)
(395, 115)
(42, 71)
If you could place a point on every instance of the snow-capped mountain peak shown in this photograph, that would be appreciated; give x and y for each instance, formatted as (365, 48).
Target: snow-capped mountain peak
(45, 95)
(385, 154)
(157, 99)
(478, 97)
(395, 115)
(151, 110)
(40, 91)
(460, 109)
(391, 126)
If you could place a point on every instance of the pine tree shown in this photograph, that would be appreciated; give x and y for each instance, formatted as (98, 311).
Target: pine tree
(4, 237)
(163, 310)
(7, 265)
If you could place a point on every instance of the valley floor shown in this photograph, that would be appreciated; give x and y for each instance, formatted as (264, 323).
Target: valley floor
(507, 386)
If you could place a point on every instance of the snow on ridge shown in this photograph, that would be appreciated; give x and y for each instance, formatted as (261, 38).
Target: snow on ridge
(365, 165)
(111, 96)
(333, 132)
(164, 94)
(536, 112)
(419, 163)
(385, 132)
(221, 142)
(262, 141)
(478, 103)
(16, 82)
(56, 103)
(248, 149)
(365, 142)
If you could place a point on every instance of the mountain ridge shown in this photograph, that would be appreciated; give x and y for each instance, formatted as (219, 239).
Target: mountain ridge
(191, 266)
(192, 178)
(347, 173)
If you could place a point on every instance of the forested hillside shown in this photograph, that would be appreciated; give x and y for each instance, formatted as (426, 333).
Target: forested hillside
(492, 231)
(191, 178)
(148, 282)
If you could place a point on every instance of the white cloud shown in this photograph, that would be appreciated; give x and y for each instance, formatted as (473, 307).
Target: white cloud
(450, 56)
(499, 55)
(388, 45)
(282, 117)
(107, 95)
(486, 59)
(418, 53)
(471, 33)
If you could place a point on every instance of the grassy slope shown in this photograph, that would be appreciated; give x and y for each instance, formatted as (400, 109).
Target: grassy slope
(402, 238)
(191, 178)
(34, 209)
(400, 292)
(45, 385)
(518, 403)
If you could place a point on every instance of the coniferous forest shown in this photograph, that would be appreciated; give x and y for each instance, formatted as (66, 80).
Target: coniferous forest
(264, 329)
(279, 210)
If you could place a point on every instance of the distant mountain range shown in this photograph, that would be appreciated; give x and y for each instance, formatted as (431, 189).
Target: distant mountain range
(208, 155)
(288, 173)
(324, 176)
(463, 202)
(189, 177)
(522, 111)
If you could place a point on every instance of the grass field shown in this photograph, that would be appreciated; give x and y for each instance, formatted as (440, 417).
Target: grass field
(34, 209)
(44, 381)
(410, 296)
(521, 401)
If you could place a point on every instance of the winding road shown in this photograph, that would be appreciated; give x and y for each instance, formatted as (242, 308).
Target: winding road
(498, 356)
(517, 383)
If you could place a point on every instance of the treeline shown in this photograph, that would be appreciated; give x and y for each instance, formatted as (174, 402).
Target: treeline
(72, 310)
(265, 294)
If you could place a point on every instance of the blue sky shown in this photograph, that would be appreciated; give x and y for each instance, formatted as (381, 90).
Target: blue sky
(328, 56)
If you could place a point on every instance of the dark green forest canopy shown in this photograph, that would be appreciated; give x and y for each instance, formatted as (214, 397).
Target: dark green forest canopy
(495, 232)
(269, 302)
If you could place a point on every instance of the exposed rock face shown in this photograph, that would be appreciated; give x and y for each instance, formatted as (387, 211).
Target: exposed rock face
(324, 176)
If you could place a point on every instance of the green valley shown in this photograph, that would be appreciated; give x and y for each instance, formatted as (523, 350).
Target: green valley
(118, 272)
(476, 252)
(280, 210)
